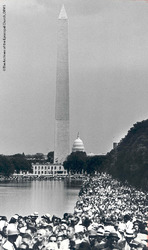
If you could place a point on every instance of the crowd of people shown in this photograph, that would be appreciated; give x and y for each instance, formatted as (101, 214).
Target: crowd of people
(108, 216)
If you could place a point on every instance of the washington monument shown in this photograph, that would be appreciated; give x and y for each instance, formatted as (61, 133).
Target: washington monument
(61, 140)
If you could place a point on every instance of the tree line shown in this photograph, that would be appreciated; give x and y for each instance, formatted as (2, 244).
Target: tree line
(14, 164)
(20, 162)
(79, 162)
(127, 162)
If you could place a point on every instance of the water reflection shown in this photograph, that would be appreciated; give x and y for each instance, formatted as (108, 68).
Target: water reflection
(54, 197)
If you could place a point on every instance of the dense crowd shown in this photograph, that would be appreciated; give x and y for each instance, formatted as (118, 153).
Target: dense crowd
(108, 215)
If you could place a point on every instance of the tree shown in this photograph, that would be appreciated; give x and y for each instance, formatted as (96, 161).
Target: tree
(39, 156)
(129, 160)
(20, 163)
(76, 162)
(95, 163)
(50, 156)
(6, 166)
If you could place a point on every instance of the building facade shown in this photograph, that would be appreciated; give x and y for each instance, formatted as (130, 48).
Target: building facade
(48, 169)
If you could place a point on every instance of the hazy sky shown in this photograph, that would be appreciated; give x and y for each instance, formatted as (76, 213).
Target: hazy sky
(108, 55)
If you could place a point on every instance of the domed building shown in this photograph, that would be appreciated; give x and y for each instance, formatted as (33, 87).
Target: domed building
(78, 145)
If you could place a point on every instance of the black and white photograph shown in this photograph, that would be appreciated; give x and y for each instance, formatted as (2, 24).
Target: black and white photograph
(74, 124)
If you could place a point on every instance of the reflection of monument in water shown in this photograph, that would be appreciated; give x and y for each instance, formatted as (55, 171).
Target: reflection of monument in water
(61, 139)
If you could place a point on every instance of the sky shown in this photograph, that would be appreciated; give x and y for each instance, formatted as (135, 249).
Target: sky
(108, 65)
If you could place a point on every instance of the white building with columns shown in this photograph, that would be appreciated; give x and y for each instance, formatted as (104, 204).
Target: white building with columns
(48, 169)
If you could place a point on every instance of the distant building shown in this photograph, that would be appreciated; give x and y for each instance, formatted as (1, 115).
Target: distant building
(48, 169)
(78, 145)
(36, 157)
(91, 154)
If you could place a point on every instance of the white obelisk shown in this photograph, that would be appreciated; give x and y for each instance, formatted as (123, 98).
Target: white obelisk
(61, 140)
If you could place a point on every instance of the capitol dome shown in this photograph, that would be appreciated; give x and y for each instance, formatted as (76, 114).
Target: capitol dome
(78, 145)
